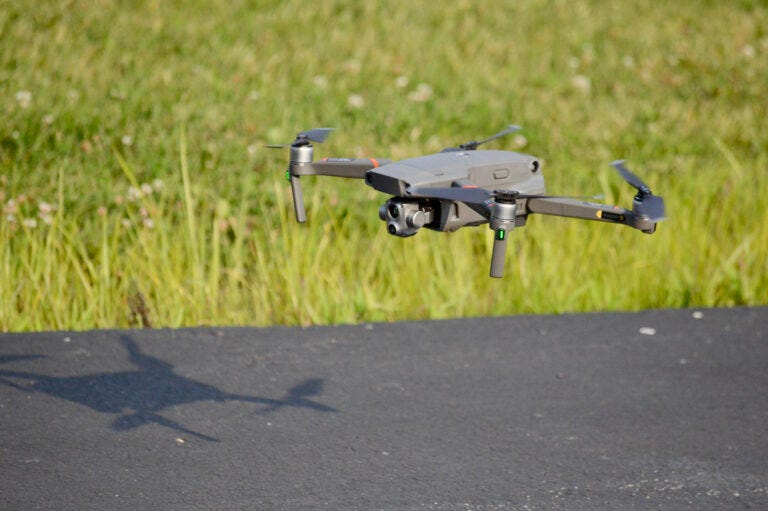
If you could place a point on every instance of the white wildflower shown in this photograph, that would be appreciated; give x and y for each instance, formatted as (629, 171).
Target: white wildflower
(45, 212)
(422, 93)
(134, 194)
(148, 223)
(127, 140)
(320, 81)
(158, 185)
(146, 189)
(11, 207)
(45, 207)
(401, 82)
(581, 83)
(48, 119)
(252, 149)
(355, 101)
(353, 66)
(24, 98)
(29, 222)
(519, 141)
(748, 51)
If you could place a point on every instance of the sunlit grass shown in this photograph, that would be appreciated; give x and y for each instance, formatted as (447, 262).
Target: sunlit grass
(135, 189)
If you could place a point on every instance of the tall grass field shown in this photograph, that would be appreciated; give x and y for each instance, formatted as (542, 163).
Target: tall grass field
(136, 189)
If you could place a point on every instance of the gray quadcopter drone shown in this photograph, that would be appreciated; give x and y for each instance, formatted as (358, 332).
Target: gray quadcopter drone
(461, 186)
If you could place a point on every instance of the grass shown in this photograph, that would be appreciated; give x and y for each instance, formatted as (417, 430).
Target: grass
(136, 190)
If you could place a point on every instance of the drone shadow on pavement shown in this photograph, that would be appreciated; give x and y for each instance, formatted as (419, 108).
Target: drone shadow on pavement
(142, 394)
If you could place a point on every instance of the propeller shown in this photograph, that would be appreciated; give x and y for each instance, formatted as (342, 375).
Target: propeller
(318, 135)
(645, 204)
(301, 154)
(473, 144)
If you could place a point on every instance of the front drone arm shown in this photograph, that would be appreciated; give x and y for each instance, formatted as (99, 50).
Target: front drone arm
(337, 167)
(302, 165)
(574, 208)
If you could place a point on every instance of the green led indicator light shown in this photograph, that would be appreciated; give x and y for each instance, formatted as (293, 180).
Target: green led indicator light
(500, 234)
(287, 175)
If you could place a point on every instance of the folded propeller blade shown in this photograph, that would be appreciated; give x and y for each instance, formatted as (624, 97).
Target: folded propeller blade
(318, 135)
(646, 204)
(629, 177)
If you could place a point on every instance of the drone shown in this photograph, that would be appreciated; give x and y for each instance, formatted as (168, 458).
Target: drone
(462, 186)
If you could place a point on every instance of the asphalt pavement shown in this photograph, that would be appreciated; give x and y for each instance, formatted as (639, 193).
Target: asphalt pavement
(649, 410)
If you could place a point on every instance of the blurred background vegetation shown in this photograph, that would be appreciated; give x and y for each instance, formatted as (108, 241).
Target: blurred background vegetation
(136, 190)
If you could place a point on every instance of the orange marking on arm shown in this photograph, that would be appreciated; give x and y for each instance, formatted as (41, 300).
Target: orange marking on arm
(375, 162)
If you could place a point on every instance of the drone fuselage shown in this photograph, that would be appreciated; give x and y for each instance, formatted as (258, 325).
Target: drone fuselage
(492, 170)
(462, 186)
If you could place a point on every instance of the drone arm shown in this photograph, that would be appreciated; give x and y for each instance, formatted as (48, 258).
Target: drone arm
(298, 199)
(574, 208)
(340, 167)
(302, 165)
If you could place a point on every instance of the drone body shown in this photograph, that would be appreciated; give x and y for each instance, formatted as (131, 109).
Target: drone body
(462, 186)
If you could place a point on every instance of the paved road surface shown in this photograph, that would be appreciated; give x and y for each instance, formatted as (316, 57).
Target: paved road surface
(575, 412)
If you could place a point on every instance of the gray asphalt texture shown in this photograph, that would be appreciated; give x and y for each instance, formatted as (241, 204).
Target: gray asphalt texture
(649, 410)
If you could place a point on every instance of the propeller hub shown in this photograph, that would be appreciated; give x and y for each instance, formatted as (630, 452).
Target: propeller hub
(506, 196)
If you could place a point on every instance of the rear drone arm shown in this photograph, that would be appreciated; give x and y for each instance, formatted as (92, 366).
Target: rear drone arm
(500, 207)
(574, 208)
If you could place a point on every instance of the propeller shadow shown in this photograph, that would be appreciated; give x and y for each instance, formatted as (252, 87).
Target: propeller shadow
(140, 395)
